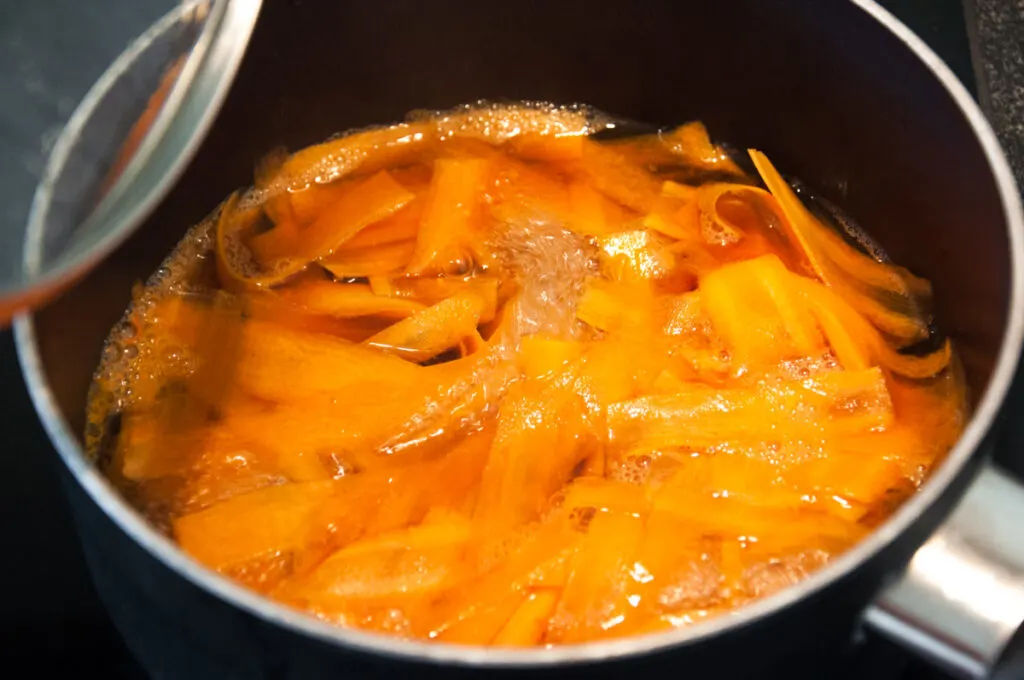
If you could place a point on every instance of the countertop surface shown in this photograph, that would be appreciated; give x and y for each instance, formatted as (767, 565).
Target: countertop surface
(997, 39)
(48, 612)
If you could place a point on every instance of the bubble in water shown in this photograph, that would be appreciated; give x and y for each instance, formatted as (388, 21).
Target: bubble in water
(132, 339)
(632, 469)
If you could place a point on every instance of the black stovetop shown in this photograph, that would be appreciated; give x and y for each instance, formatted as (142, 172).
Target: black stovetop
(50, 617)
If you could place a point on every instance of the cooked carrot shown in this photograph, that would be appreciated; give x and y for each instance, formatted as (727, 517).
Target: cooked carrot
(473, 343)
(404, 225)
(675, 218)
(854, 338)
(692, 143)
(783, 527)
(275, 520)
(620, 179)
(528, 623)
(541, 147)
(428, 333)
(596, 597)
(360, 205)
(796, 318)
(482, 626)
(429, 290)
(604, 376)
(635, 256)
(853, 275)
(364, 151)
(522, 193)
(157, 443)
(541, 355)
(832, 405)
(683, 192)
(398, 564)
(353, 507)
(236, 268)
(343, 300)
(271, 309)
(687, 148)
(444, 486)
(374, 261)
(517, 484)
(851, 477)
(741, 222)
(605, 495)
(315, 363)
(306, 204)
(626, 308)
(590, 212)
(449, 221)
(743, 313)
(498, 578)
(484, 379)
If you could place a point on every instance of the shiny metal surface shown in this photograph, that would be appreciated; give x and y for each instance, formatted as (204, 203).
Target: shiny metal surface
(949, 474)
(126, 145)
(961, 600)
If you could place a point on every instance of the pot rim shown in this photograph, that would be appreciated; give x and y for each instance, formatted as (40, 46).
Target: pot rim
(166, 551)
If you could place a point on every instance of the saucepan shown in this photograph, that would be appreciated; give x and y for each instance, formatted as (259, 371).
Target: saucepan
(838, 92)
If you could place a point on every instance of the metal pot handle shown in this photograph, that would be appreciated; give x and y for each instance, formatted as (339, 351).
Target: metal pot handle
(960, 602)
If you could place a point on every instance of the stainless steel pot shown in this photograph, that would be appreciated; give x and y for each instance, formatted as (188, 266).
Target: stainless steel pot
(839, 93)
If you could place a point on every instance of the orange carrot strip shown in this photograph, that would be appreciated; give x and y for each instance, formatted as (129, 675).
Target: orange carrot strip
(674, 218)
(509, 575)
(270, 309)
(701, 416)
(614, 175)
(362, 204)
(433, 330)
(781, 287)
(743, 313)
(406, 562)
(448, 226)
(595, 599)
(779, 527)
(624, 308)
(365, 151)
(683, 192)
(481, 627)
(236, 268)
(157, 444)
(857, 478)
(852, 274)
(517, 484)
(692, 143)
(634, 256)
(309, 203)
(313, 363)
(251, 525)
(402, 226)
(374, 261)
(852, 337)
(547, 147)
(604, 494)
(541, 355)
(430, 290)
(343, 300)
(591, 213)
(529, 621)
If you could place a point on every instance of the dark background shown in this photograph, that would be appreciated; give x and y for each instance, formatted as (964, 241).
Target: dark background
(49, 615)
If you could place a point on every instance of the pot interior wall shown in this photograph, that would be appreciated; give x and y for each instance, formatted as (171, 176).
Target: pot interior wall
(817, 84)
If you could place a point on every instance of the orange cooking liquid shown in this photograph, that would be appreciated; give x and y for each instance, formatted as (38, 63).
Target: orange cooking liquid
(482, 378)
